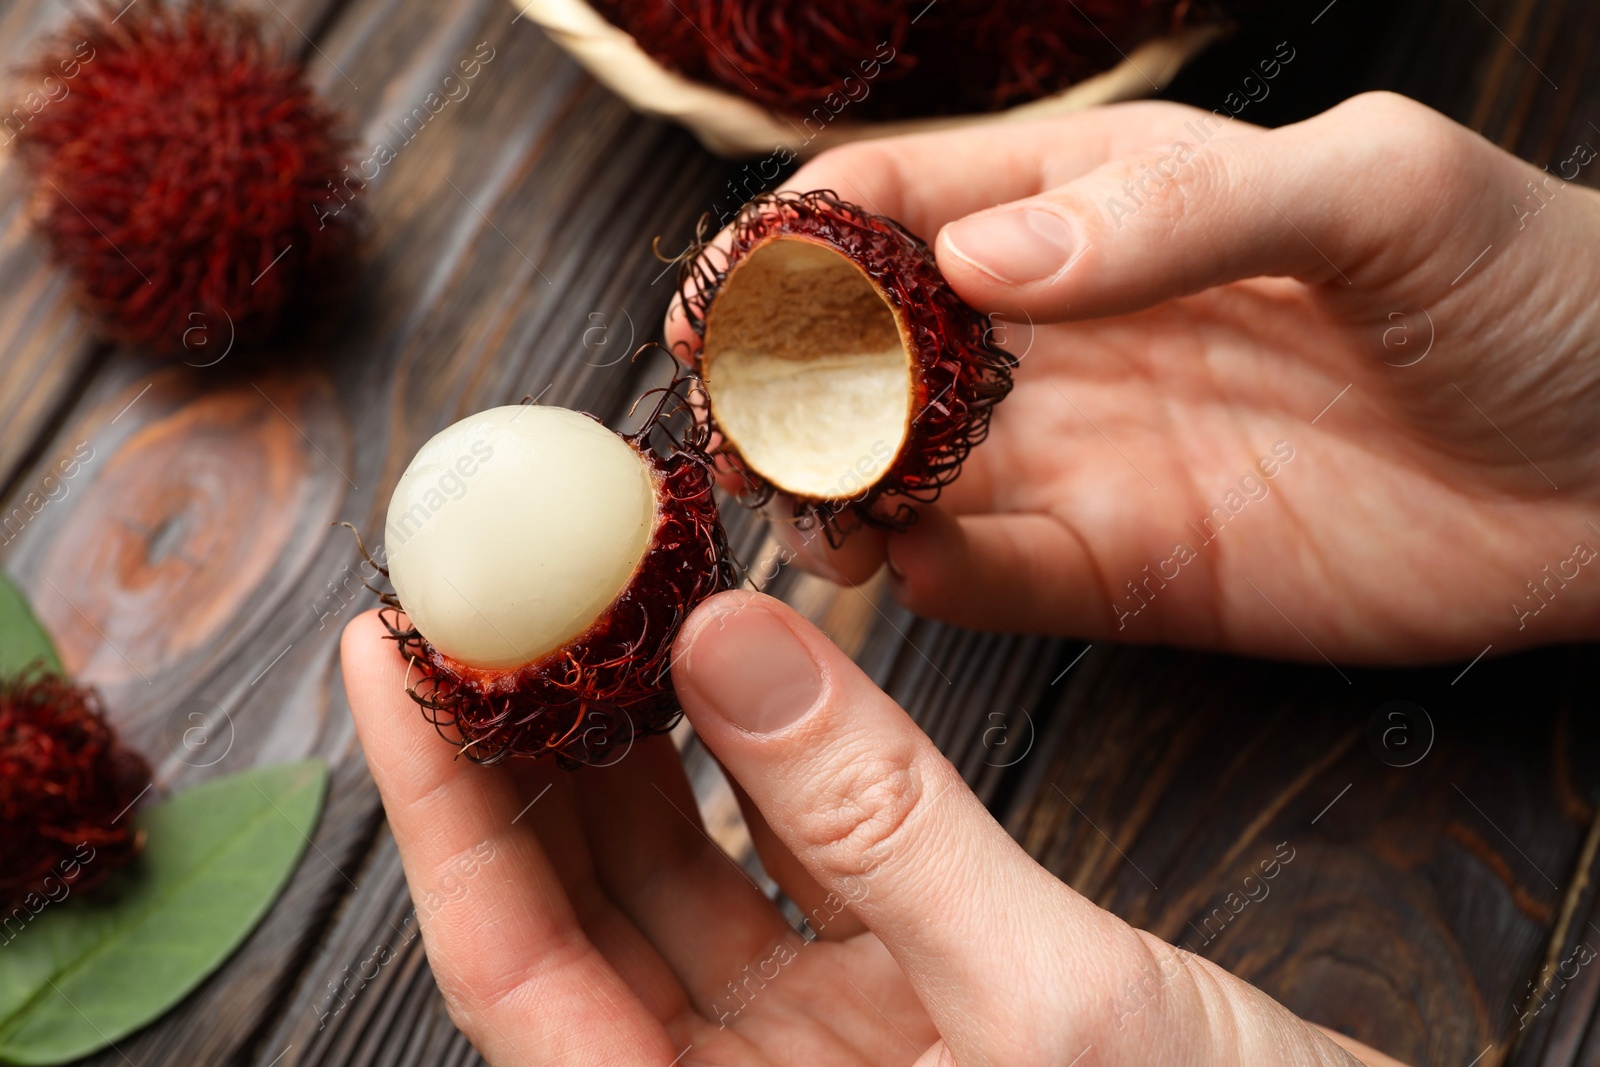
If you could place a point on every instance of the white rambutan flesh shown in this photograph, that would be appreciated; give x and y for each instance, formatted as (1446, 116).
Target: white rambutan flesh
(514, 530)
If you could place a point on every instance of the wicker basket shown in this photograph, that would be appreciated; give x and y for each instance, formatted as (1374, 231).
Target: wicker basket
(732, 126)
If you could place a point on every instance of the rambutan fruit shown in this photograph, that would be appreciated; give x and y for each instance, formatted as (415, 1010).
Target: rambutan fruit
(184, 173)
(544, 564)
(895, 58)
(66, 787)
(837, 364)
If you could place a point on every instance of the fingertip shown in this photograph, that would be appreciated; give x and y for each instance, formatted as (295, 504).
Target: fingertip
(852, 562)
(957, 268)
(1018, 257)
(358, 631)
(1007, 573)
(730, 478)
(866, 172)
(677, 335)
(919, 556)
(370, 660)
(712, 611)
(832, 164)
(400, 746)
(749, 661)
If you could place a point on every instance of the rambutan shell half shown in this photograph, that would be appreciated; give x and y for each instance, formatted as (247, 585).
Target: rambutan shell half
(839, 368)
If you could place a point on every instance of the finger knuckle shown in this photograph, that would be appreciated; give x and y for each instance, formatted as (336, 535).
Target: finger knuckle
(1159, 988)
(1153, 987)
(489, 982)
(829, 164)
(1404, 136)
(1162, 187)
(854, 811)
(1378, 107)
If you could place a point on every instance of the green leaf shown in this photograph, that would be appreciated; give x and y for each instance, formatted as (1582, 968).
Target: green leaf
(85, 972)
(22, 639)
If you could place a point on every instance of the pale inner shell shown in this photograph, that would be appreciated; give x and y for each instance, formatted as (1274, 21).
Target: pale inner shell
(808, 371)
(514, 529)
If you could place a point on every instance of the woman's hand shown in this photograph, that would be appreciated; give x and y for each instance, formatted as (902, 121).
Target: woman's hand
(1327, 390)
(586, 918)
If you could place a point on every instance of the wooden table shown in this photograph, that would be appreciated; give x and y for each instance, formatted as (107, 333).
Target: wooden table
(191, 569)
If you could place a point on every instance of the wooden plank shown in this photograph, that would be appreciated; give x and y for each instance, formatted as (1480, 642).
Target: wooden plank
(1557, 1009)
(1419, 899)
(192, 572)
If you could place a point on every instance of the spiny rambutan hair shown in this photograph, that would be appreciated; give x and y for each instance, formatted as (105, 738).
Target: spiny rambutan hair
(66, 787)
(184, 171)
(957, 373)
(585, 702)
(895, 58)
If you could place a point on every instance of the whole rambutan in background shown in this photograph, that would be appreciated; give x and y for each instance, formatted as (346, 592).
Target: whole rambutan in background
(183, 172)
(66, 786)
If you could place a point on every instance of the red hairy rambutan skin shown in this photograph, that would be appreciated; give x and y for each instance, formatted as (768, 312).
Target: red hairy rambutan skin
(959, 373)
(185, 176)
(901, 57)
(66, 784)
(586, 702)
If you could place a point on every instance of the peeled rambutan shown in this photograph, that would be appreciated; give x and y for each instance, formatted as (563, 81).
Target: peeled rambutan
(544, 564)
(838, 366)
(66, 787)
(183, 172)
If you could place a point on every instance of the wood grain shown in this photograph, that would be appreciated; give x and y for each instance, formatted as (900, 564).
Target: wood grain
(50, 347)
(1418, 903)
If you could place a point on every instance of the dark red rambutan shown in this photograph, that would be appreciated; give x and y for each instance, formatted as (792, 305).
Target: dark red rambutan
(894, 58)
(545, 565)
(183, 172)
(839, 367)
(66, 787)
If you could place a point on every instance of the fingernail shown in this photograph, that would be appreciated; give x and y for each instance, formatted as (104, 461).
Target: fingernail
(752, 669)
(1014, 245)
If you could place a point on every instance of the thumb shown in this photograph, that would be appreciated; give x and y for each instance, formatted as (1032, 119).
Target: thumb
(1356, 197)
(1012, 965)
(883, 821)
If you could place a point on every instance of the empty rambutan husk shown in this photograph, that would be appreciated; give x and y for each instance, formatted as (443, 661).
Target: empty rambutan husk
(66, 789)
(839, 368)
(185, 174)
(540, 619)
